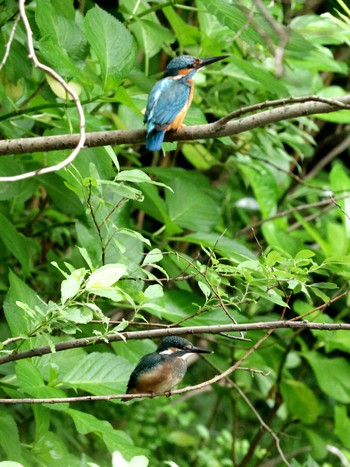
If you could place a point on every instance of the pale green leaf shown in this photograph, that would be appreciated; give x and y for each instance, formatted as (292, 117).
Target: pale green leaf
(105, 276)
(153, 291)
(70, 286)
(154, 256)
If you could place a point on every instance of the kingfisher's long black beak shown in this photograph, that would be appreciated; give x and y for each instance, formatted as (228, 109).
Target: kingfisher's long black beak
(208, 61)
(198, 350)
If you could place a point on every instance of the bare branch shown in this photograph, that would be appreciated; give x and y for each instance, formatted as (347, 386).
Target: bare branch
(155, 333)
(127, 397)
(338, 206)
(81, 137)
(283, 34)
(304, 106)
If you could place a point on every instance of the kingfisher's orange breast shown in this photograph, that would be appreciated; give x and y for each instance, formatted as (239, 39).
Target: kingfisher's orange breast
(177, 122)
(160, 380)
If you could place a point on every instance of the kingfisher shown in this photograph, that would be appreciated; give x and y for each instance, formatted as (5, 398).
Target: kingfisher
(171, 97)
(159, 372)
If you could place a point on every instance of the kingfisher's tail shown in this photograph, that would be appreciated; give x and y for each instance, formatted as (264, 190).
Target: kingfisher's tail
(154, 140)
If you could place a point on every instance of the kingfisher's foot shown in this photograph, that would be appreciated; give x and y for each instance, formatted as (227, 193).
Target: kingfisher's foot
(168, 393)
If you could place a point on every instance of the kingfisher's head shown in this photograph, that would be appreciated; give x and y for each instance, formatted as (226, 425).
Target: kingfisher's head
(187, 65)
(179, 345)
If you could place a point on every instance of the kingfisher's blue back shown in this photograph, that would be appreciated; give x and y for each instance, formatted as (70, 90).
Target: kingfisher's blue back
(171, 97)
(166, 100)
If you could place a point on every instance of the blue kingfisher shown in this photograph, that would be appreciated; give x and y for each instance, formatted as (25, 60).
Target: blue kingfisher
(171, 97)
(162, 370)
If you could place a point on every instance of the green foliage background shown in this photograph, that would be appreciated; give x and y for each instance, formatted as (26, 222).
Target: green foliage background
(83, 250)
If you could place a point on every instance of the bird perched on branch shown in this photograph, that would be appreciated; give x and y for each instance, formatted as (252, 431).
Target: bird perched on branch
(162, 370)
(171, 97)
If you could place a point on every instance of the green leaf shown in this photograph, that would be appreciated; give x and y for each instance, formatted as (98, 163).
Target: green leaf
(154, 205)
(337, 341)
(99, 374)
(318, 444)
(19, 321)
(16, 243)
(9, 437)
(333, 375)
(342, 425)
(136, 176)
(264, 185)
(300, 401)
(10, 464)
(78, 315)
(115, 440)
(154, 256)
(191, 207)
(63, 44)
(182, 439)
(70, 286)
(133, 234)
(50, 450)
(137, 461)
(32, 382)
(205, 289)
(340, 182)
(199, 156)
(105, 276)
(125, 191)
(151, 36)
(185, 33)
(234, 17)
(112, 43)
(153, 291)
(225, 246)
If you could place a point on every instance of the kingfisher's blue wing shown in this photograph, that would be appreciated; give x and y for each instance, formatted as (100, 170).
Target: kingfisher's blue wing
(166, 100)
(147, 364)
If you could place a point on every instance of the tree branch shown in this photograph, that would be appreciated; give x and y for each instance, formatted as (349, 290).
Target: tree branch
(127, 397)
(220, 128)
(154, 333)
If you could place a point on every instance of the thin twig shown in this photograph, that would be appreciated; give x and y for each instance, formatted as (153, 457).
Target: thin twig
(287, 212)
(338, 206)
(278, 103)
(68, 89)
(92, 212)
(264, 425)
(281, 32)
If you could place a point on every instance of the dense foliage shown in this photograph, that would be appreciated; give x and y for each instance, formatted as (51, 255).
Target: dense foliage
(237, 228)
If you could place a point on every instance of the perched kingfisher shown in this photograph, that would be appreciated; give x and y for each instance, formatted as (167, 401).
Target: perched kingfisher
(171, 97)
(160, 371)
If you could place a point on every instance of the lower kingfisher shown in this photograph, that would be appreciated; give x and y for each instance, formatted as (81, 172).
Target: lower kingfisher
(162, 370)
(171, 97)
